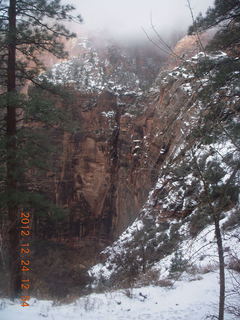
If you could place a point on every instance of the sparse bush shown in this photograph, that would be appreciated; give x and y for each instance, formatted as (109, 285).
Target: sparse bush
(233, 220)
(165, 283)
(196, 278)
(208, 268)
(128, 293)
(193, 270)
(234, 264)
(233, 304)
(2, 305)
(151, 277)
(196, 270)
(89, 303)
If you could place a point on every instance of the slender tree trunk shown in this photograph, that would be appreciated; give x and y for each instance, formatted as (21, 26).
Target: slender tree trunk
(12, 156)
(219, 246)
(221, 268)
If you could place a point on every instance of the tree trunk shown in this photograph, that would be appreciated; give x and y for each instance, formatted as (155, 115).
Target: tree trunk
(221, 267)
(219, 246)
(14, 266)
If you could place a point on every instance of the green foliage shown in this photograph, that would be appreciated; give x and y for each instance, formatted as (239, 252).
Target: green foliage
(36, 201)
(40, 115)
(181, 171)
(178, 263)
(225, 15)
(220, 72)
(227, 38)
(213, 172)
(221, 11)
(199, 220)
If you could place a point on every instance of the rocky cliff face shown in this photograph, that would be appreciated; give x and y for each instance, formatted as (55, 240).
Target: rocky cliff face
(195, 128)
(137, 155)
(105, 171)
(108, 167)
(111, 163)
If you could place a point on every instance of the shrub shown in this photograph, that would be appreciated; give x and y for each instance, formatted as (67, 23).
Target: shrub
(233, 220)
(198, 221)
(151, 277)
(165, 283)
(234, 264)
(178, 263)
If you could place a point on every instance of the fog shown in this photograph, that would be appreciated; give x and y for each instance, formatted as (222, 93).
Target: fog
(126, 18)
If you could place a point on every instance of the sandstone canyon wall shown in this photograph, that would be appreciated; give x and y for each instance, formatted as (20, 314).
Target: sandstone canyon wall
(108, 166)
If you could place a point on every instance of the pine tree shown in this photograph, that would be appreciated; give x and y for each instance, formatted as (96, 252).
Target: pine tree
(220, 123)
(225, 16)
(27, 29)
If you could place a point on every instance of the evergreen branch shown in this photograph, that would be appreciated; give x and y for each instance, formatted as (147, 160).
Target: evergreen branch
(195, 26)
(53, 28)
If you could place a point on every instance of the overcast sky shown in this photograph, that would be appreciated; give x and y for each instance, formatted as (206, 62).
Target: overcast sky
(126, 17)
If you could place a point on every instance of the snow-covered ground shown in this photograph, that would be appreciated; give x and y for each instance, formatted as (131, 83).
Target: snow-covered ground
(187, 300)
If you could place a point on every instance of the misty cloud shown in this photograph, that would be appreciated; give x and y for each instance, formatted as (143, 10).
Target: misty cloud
(125, 18)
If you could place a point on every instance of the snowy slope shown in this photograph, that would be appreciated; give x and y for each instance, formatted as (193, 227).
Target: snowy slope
(176, 219)
(93, 71)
